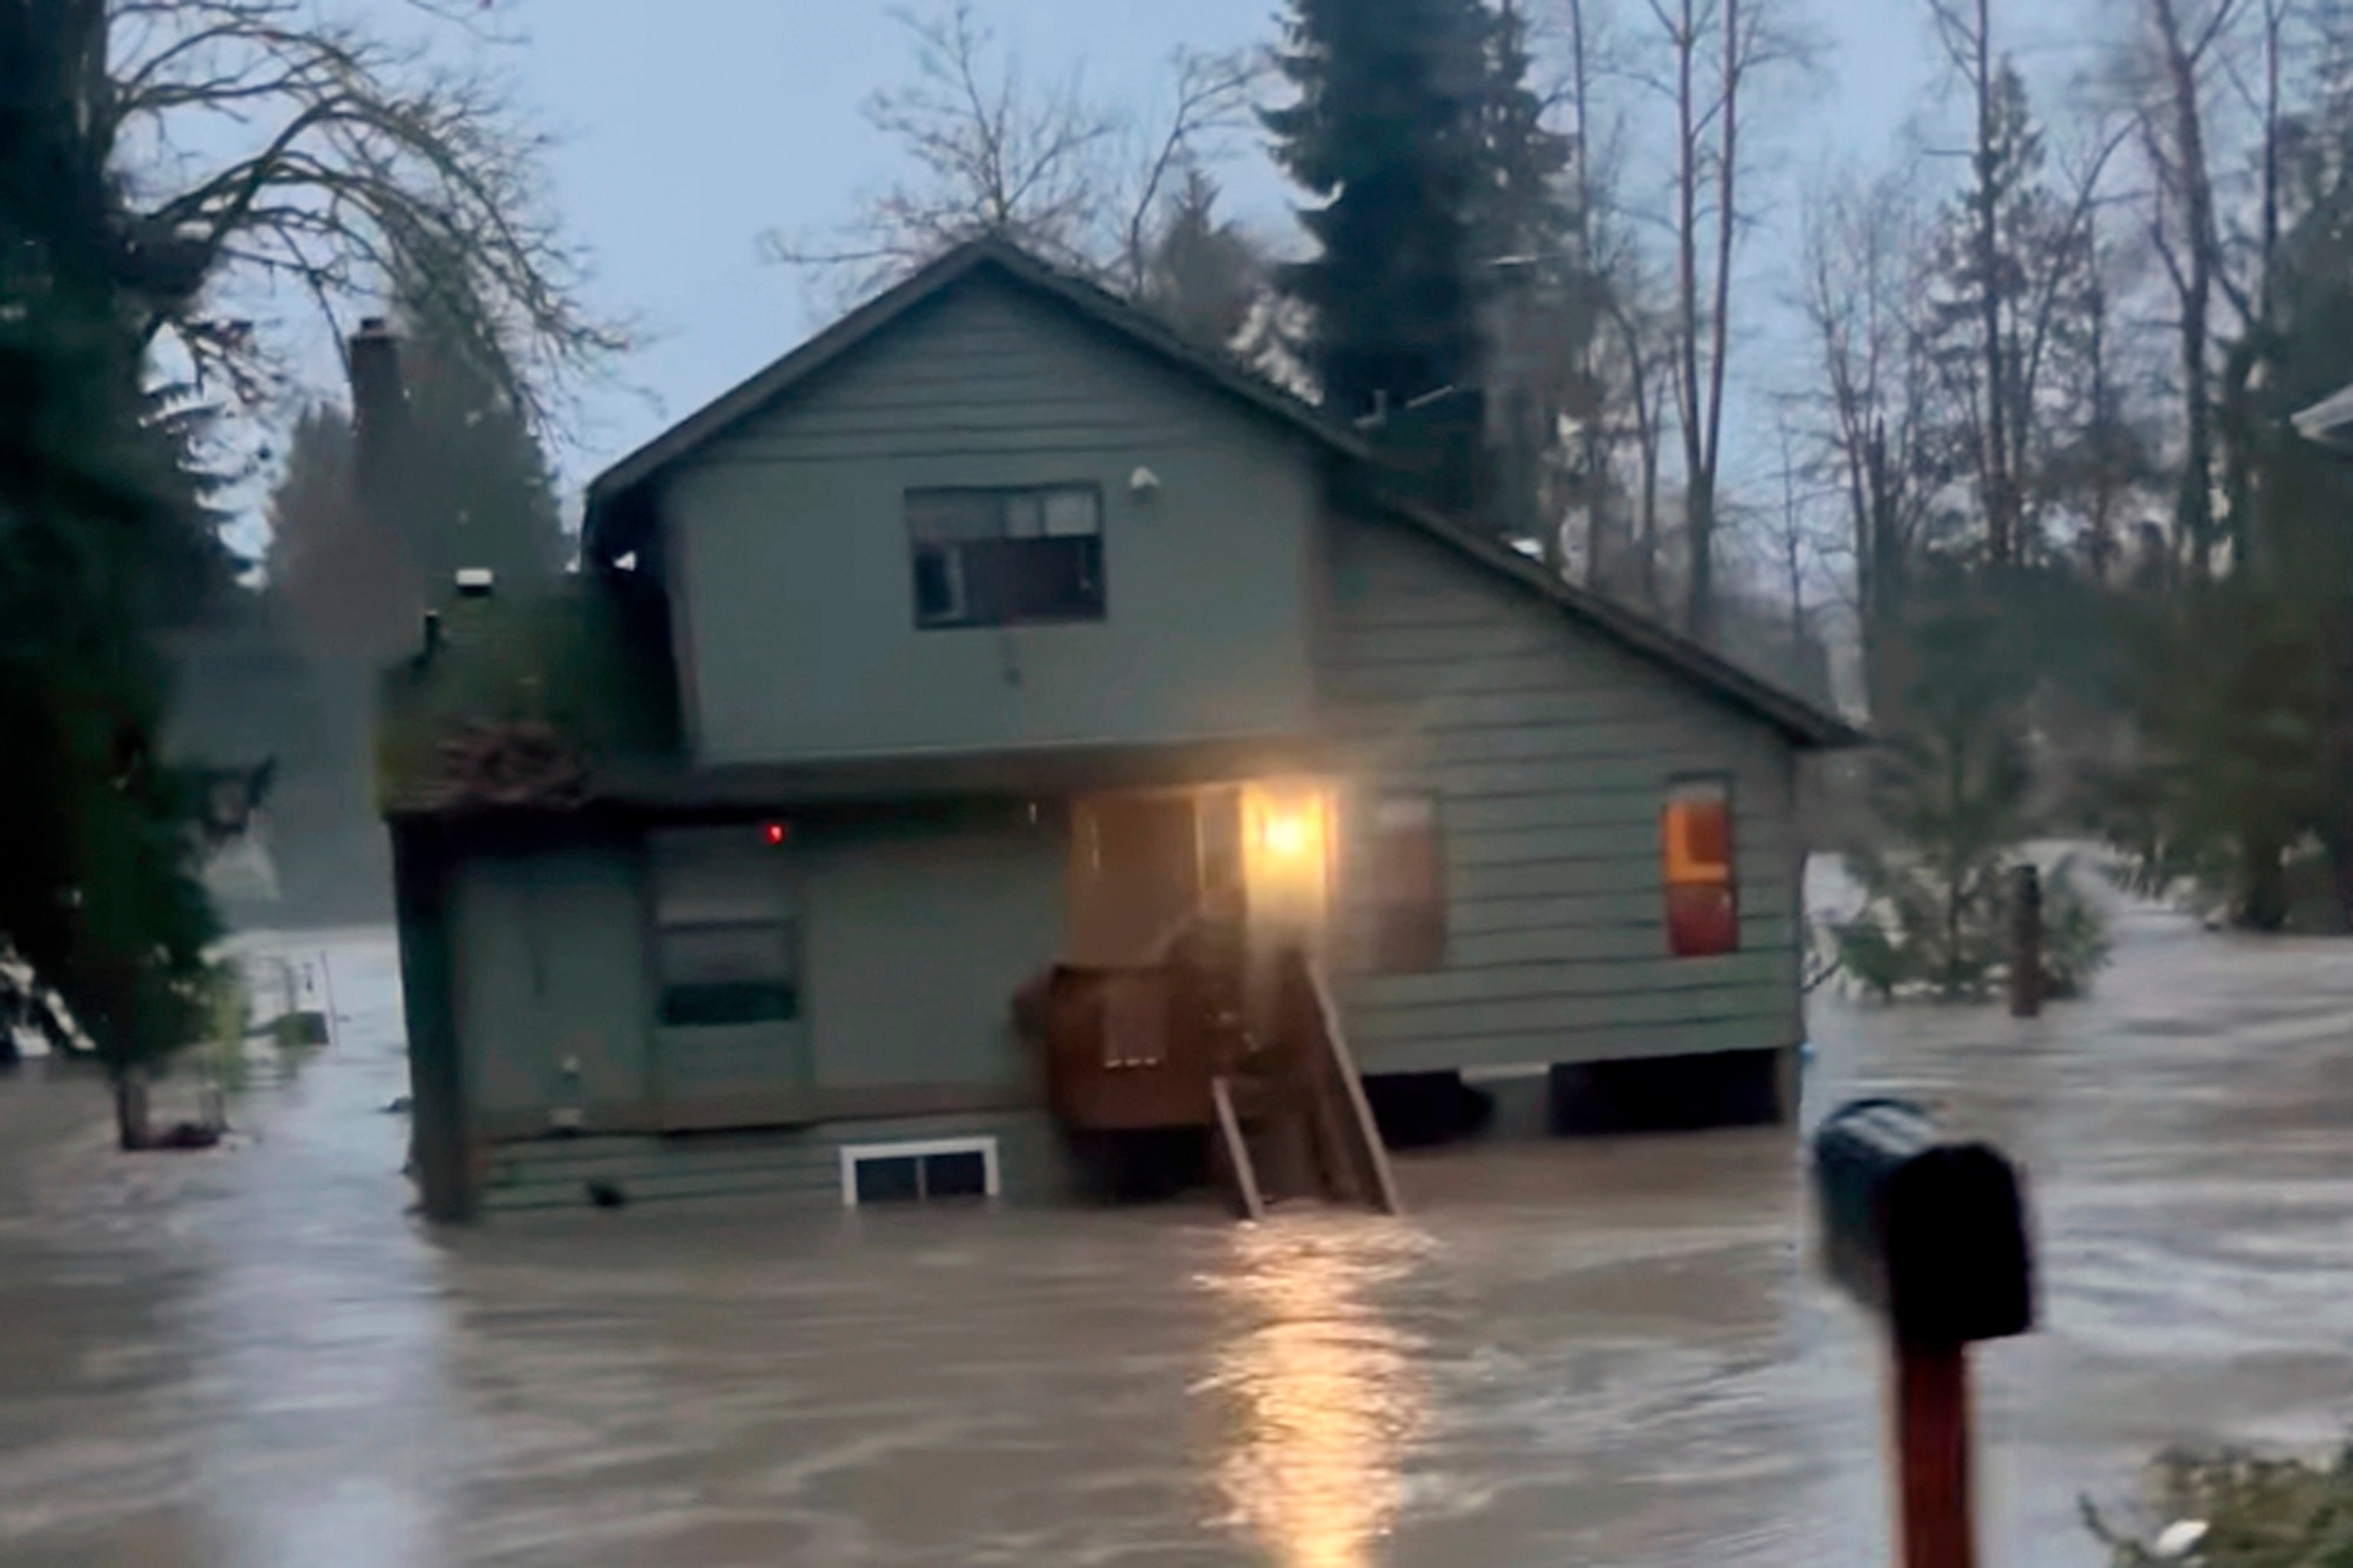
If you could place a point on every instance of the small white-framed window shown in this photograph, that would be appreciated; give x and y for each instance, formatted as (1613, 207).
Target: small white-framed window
(917, 1172)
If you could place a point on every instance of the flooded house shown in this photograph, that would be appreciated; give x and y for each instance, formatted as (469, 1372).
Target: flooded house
(998, 731)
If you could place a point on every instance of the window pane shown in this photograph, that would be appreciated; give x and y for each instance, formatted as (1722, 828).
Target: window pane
(1000, 557)
(1702, 909)
(744, 1001)
(1697, 832)
(1073, 511)
(889, 1180)
(990, 570)
(1058, 579)
(695, 955)
(1025, 515)
(950, 515)
(960, 1175)
(939, 587)
(1008, 581)
(1408, 878)
(1702, 920)
(727, 974)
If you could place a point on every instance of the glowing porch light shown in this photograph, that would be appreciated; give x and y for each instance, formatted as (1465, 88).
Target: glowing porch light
(1288, 835)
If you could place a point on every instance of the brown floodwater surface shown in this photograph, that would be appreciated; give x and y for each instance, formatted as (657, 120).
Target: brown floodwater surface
(1596, 1352)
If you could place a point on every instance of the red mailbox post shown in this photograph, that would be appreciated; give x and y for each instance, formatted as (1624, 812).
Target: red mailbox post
(1931, 1235)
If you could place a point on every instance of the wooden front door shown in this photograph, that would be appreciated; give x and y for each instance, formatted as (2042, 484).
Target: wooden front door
(1135, 875)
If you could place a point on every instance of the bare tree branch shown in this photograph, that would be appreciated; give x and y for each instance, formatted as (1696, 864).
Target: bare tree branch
(1081, 182)
(361, 170)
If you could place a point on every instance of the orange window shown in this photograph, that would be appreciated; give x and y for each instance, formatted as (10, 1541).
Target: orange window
(1695, 835)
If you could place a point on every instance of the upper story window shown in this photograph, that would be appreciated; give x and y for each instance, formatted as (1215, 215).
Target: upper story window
(1006, 556)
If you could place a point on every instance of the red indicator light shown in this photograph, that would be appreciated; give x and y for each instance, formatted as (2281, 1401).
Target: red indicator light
(775, 833)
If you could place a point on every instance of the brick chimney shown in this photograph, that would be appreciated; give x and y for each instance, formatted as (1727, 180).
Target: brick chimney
(380, 592)
(379, 417)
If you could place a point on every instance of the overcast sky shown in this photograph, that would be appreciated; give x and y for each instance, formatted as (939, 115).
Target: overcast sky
(690, 126)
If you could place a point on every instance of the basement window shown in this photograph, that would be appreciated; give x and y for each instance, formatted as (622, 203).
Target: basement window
(918, 1172)
(1695, 837)
(1005, 556)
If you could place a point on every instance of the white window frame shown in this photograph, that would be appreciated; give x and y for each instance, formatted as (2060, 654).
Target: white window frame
(855, 1154)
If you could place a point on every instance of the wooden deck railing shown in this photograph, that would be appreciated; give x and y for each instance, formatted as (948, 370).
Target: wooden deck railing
(1165, 1045)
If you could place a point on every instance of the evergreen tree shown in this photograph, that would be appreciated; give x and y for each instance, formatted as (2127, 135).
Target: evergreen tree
(103, 540)
(1521, 205)
(1539, 296)
(1387, 134)
(348, 588)
(482, 493)
(1204, 276)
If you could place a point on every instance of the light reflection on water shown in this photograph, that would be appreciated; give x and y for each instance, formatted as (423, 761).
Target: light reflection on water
(1325, 1393)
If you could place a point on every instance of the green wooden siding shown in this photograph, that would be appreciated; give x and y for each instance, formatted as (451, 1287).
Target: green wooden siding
(914, 933)
(796, 1168)
(551, 967)
(918, 933)
(789, 551)
(1548, 750)
(702, 1060)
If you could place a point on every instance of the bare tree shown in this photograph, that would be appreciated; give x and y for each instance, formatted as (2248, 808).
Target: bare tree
(1592, 172)
(1795, 538)
(2012, 282)
(1859, 288)
(1714, 49)
(2170, 75)
(1964, 29)
(1083, 182)
(358, 164)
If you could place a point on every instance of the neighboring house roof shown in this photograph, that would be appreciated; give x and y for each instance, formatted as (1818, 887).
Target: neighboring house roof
(1800, 721)
(2330, 421)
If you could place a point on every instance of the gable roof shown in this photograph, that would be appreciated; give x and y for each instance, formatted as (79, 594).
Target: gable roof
(1802, 722)
(877, 314)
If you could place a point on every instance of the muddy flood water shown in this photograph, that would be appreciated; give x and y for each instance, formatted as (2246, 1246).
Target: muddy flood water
(1609, 1352)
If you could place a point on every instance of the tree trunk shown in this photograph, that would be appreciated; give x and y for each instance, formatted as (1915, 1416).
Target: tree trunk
(2339, 848)
(1698, 519)
(2193, 280)
(2264, 877)
(2000, 498)
(1699, 538)
(131, 1128)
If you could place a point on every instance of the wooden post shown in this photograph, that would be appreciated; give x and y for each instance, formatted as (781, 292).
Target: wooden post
(2026, 943)
(1932, 1440)
(1235, 1149)
(422, 864)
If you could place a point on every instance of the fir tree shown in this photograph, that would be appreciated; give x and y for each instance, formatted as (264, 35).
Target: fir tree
(1387, 135)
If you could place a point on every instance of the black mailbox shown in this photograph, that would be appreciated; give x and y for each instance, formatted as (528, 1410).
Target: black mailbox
(1932, 1234)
